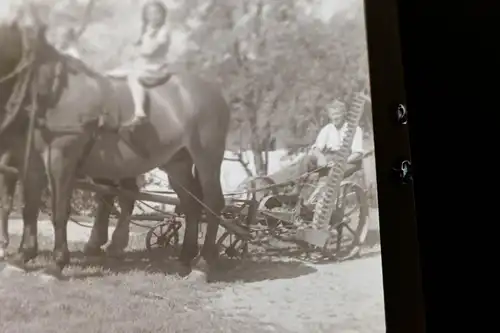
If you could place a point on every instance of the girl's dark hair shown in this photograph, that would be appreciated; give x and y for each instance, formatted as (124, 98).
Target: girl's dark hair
(160, 6)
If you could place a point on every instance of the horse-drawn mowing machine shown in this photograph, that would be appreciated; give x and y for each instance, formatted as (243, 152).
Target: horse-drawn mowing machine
(272, 207)
(276, 210)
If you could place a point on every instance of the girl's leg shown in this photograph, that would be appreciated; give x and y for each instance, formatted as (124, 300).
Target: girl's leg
(139, 97)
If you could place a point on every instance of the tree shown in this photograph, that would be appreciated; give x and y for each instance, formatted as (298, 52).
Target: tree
(278, 67)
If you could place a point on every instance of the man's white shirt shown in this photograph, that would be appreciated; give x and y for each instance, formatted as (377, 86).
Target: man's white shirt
(330, 138)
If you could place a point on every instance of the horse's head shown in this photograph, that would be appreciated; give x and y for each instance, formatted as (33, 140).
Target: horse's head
(23, 46)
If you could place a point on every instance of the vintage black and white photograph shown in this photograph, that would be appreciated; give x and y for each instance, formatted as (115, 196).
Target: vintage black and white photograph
(187, 166)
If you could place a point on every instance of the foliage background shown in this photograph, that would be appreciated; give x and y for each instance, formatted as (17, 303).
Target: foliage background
(279, 62)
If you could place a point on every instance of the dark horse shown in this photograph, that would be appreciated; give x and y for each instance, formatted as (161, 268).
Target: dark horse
(8, 182)
(73, 108)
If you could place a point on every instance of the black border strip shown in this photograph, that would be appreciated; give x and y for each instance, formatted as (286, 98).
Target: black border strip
(404, 306)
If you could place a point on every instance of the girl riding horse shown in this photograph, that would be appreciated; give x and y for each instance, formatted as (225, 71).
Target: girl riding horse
(153, 47)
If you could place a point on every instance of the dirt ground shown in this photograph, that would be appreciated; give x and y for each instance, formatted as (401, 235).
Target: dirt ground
(344, 298)
(269, 295)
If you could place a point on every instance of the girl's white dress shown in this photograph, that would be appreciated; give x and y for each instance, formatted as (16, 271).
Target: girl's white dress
(152, 58)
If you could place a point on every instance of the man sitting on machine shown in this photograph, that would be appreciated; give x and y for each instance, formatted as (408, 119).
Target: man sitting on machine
(328, 142)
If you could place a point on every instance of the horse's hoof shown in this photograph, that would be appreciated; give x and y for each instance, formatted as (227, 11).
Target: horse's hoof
(205, 270)
(182, 269)
(3, 254)
(198, 272)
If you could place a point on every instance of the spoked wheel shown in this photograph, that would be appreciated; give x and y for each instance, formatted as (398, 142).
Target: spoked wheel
(349, 223)
(232, 246)
(164, 237)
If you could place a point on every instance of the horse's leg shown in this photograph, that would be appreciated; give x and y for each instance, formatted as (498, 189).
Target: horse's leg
(99, 234)
(61, 163)
(7, 191)
(32, 196)
(181, 178)
(208, 166)
(120, 238)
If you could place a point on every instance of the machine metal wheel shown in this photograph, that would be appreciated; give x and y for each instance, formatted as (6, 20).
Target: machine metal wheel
(164, 236)
(349, 223)
(232, 246)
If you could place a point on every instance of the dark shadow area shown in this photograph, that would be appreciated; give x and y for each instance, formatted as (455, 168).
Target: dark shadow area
(256, 270)
(227, 270)
(261, 263)
(315, 257)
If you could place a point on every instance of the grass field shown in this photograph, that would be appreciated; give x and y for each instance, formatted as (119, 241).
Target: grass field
(130, 296)
(270, 292)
